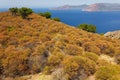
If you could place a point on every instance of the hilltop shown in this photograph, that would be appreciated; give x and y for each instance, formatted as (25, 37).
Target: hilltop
(33, 48)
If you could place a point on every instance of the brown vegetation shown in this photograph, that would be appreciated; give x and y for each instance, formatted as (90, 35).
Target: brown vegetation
(43, 45)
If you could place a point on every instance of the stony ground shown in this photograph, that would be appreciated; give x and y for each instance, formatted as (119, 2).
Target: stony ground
(114, 34)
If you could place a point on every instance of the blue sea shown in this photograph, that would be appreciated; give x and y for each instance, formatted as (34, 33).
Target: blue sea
(104, 21)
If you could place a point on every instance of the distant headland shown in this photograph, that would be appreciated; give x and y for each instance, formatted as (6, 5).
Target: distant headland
(91, 7)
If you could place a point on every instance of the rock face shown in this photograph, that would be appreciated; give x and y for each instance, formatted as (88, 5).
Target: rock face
(114, 34)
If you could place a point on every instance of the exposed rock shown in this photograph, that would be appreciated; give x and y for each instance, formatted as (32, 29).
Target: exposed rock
(107, 58)
(114, 34)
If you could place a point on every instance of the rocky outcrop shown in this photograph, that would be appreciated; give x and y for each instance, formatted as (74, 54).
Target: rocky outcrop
(114, 34)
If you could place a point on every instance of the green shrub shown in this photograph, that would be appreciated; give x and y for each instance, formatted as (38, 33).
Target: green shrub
(87, 27)
(14, 11)
(40, 49)
(14, 61)
(74, 64)
(55, 59)
(53, 62)
(47, 70)
(56, 19)
(102, 62)
(73, 50)
(24, 12)
(107, 72)
(116, 77)
(10, 28)
(46, 14)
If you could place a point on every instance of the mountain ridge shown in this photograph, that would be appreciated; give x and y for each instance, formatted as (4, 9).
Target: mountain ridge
(92, 7)
(66, 7)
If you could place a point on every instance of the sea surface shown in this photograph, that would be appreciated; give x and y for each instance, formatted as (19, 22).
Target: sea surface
(104, 21)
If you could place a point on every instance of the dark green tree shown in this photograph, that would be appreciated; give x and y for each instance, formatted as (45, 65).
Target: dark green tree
(87, 27)
(46, 14)
(24, 12)
(14, 11)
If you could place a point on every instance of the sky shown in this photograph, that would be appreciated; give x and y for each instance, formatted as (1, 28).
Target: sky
(49, 3)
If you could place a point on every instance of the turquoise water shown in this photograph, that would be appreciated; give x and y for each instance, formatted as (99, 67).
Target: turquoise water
(104, 21)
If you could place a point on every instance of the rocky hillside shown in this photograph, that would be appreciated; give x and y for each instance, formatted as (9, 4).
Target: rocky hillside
(33, 48)
(114, 34)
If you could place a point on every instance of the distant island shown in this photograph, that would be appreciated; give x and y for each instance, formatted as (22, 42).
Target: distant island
(91, 7)
(69, 7)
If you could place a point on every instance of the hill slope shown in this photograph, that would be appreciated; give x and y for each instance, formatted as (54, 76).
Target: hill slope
(41, 45)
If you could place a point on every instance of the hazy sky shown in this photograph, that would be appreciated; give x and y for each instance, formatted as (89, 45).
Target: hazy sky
(49, 3)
